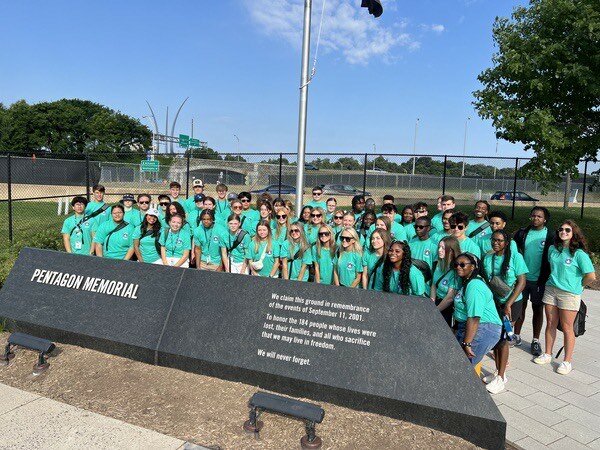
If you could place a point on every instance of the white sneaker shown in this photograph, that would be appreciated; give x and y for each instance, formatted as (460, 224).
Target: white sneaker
(544, 358)
(489, 378)
(564, 368)
(496, 386)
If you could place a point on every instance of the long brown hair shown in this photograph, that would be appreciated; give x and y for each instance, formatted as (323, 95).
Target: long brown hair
(578, 240)
(452, 249)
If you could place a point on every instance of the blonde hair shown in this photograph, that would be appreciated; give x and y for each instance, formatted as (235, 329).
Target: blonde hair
(278, 226)
(356, 247)
(302, 239)
(256, 239)
(332, 245)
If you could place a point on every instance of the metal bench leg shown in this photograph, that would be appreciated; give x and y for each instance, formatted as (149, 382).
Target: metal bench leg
(41, 365)
(311, 440)
(253, 425)
(8, 355)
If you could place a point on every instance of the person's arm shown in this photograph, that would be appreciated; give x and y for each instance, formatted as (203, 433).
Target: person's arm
(470, 332)
(284, 268)
(302, 270)
(198, 256)
(252, 271)
(99, 249)
(448, 299)
(130, 253)
(519, 286)
(163, 255)
(356, 279)
(136, 249)
(336, 280)
(243, 269)
(317, 272)
(184, 257)
(275, 267)
(589, 278)
(365, 277)
(225, 259)
(433, 292)
(67, 243)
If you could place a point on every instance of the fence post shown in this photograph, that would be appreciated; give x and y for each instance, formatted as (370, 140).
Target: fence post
(584, 186)
(365, 175)
(9, 185)
(87, 176)
(280, 168)
(444, 176)
(514, 194)
(187, 176)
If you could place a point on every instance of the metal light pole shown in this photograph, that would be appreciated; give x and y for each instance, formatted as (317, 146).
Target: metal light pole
(496, 162)
(465, 146)
(238, 142)
(374, 154)
(415, 146)
(154, 136)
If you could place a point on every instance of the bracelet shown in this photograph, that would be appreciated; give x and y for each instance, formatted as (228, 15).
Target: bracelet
(466, 344)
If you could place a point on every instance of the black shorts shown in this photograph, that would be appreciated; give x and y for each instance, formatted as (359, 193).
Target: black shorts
(533, 293)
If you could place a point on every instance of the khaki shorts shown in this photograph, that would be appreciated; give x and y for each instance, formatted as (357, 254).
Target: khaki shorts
(561, 299)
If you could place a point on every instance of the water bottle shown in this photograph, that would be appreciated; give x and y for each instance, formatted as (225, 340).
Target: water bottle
(508, 327)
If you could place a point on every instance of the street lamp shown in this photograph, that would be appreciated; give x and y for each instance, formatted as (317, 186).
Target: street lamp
(376, 9)
(374, 155)
(415, 146)
(465, 146)
(238, 143)
(496, 162)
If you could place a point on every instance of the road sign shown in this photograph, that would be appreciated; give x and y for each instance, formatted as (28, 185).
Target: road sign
(195, 143)
(149, 166)
(184, 140)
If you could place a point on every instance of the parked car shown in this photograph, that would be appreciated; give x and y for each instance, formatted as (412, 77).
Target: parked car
(342, 189)
(274, 189)
(508, 195)
(308, 166)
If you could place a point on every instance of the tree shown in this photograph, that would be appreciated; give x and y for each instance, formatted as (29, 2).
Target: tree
(543, 89)
(203, 153)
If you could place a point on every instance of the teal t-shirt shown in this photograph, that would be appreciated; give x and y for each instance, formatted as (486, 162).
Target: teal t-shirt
(222, 212)
(238, 254)
(115, 245)
(79, 232)
(193, 218)
(534, 251)
(209, 242)
(348, 265)
(485, 244)
(311, 232)
(325, 262)
(253, 254)
(134, 217)
(315, 204)
(295, 266)
(476, 301)
(468, 245)
(416, 281)
(475, 225)
(410, 231)
(437, 236)
(147, 245)
(188, 204)
(425, 250)
(437, 222)
(104, 216)
(398, 232)
(250, 219)
(516, 267)
(279, 235)
(175, 243)
(567, 271)
(447, 280)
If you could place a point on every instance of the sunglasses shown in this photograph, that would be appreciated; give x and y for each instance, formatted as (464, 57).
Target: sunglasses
(566, 230)
(420, 227)
(460, 227)
(244, 200)
(281, 216)
(462, 265)
(338, 217)
(316, 215)
(143, 203)
(347, 238)
(295, 230)
(164, 203)
(237, 207)
(324, 233)
(317, 193)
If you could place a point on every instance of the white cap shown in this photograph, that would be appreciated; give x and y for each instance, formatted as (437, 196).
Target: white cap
(197, 182)
(152, 212)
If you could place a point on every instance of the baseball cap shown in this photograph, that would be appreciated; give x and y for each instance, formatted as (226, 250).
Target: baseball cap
(128, 197)
(198, 198)
(197, 182)
(152, 212)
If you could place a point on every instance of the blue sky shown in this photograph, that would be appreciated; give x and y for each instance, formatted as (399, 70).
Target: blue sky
(239, 62)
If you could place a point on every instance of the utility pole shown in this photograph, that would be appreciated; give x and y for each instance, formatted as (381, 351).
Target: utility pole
(374, 153)
(496, 162)
(465, 146)
(415, 146)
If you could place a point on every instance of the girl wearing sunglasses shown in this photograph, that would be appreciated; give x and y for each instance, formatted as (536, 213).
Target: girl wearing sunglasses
(323, 254)
(347, 266)
(311, 229)
(233, 246)
(477, 320)
(280, 225)
(570, 270)
(295, 254)
(510, 267)
(459, 223)
(336, 222)
(397, 274)
(374, 255)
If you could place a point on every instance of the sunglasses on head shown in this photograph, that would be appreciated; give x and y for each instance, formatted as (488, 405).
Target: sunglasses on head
(324, 233)
(141, 202)
(460, 227)
(347, 238)
(462, 265)
(281, 216)
(316, 215)
(564, 229)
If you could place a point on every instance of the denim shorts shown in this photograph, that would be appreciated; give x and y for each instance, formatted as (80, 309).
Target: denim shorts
(487, 336)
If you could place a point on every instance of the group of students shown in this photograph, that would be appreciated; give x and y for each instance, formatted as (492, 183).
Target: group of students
(479, 276)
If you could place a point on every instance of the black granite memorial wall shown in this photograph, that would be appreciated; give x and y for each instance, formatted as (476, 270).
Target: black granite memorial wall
(361, 349)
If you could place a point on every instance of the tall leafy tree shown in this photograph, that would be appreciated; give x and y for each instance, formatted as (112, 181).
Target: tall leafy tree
(543, 89)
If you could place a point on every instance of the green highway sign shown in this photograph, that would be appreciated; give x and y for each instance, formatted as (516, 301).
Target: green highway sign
(194, 142)
(184, 140)
(149, 166)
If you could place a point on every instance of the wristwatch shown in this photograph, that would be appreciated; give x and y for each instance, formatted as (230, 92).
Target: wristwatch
(465, 344)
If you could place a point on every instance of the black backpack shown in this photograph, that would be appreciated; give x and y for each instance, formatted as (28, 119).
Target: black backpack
(578, 325)
(424, 268)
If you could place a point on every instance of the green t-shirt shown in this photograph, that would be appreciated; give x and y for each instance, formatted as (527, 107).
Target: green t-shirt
(398, 232)
(447, 280)
(188, 204)
(250, 219)
(410, 231)
(115, 245)
(437, 222)
(315, 204)
(238, 254)
(295, 266)
(134, 217)
(176, 243)
(516, 268)
(567, 271)
(79, 232)
(209, 241)
(104, 216)
(325, 262)
(534, 251)
(425, 250)
(474, 226)
(147, 245)
(485, 244)
(476, 301)
(253, 254)
(416, 281)
(312, 233)
(193, 218)
(468, 245)
(222, 212)
(279, 236)
(348, 265)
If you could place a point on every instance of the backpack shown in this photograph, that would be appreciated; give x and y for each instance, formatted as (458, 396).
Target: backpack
(578, 324)
(424, 268)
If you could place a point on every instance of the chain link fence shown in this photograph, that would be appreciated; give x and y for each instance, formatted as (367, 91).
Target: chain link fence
(35, 190)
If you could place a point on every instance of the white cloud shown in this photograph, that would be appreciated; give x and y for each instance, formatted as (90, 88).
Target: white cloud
(434, 27)
(348, 29)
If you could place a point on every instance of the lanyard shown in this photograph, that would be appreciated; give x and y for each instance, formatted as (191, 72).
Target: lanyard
(171, 235)
(208, 239)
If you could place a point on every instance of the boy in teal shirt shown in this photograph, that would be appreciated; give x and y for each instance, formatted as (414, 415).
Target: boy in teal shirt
(77, 229)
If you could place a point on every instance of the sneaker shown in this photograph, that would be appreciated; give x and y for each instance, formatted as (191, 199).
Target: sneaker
(564, 368)
(516, 340)
(544, 358)
(496, 386)
(489, 378)
(536, 348)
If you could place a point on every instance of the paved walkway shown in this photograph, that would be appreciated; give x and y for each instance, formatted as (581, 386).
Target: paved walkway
(28, 421)
(546, 410)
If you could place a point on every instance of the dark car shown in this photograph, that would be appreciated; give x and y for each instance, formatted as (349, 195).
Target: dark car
(508, 195)
(274, 189)
(342, 189)
(308, 166)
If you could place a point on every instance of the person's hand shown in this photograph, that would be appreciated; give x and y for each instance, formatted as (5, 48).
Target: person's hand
(508, 312)
(469, 352)
(432, 299)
